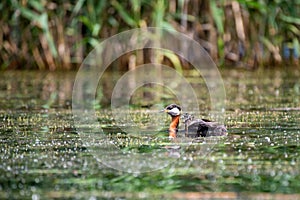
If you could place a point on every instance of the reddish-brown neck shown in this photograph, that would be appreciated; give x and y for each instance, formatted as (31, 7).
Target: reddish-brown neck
(173, 126)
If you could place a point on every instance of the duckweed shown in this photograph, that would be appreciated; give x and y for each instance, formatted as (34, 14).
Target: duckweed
(42, 155)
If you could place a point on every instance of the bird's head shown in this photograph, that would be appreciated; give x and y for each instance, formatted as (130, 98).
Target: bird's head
(173, 110)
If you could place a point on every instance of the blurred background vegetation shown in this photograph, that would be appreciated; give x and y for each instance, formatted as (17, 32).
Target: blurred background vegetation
(48, 34)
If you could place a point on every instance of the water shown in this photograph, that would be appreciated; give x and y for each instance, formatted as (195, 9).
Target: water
(43, 156)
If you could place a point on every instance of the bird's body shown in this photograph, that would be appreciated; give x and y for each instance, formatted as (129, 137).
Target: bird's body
(193, 127)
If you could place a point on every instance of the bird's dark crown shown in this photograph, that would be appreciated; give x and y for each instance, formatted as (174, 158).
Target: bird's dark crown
(171, 106)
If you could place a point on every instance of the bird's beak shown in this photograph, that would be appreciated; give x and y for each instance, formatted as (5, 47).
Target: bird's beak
(164, 110)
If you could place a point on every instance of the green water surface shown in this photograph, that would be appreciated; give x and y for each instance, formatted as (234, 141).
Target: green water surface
(42, 155)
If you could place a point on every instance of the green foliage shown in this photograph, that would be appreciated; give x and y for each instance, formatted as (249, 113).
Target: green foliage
(59, 34)
(279, 22)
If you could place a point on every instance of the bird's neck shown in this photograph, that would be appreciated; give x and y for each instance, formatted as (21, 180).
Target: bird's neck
(173, 126)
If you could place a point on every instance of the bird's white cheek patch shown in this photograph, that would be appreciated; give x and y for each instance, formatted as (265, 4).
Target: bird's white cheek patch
(175, 111)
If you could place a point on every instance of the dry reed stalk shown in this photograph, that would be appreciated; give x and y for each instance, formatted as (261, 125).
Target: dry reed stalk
(62, 47)
(38, 58)
(238, 20)
(48, 56)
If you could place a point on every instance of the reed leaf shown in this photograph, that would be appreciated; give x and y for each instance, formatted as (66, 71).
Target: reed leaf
(218, 16)
(296, 45)
(174, 59)
(124, 14)
(290, 19)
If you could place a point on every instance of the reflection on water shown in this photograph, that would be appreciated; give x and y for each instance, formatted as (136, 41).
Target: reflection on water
(32, 90)
(42, 155)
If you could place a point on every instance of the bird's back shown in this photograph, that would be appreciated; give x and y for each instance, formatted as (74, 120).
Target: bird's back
(204, 128)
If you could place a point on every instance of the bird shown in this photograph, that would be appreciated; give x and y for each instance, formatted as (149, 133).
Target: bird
(193, 127)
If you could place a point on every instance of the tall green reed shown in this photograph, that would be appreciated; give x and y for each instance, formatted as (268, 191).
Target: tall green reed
(58, 35)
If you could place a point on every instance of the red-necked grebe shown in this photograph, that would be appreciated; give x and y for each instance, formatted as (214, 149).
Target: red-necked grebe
(193, 128)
